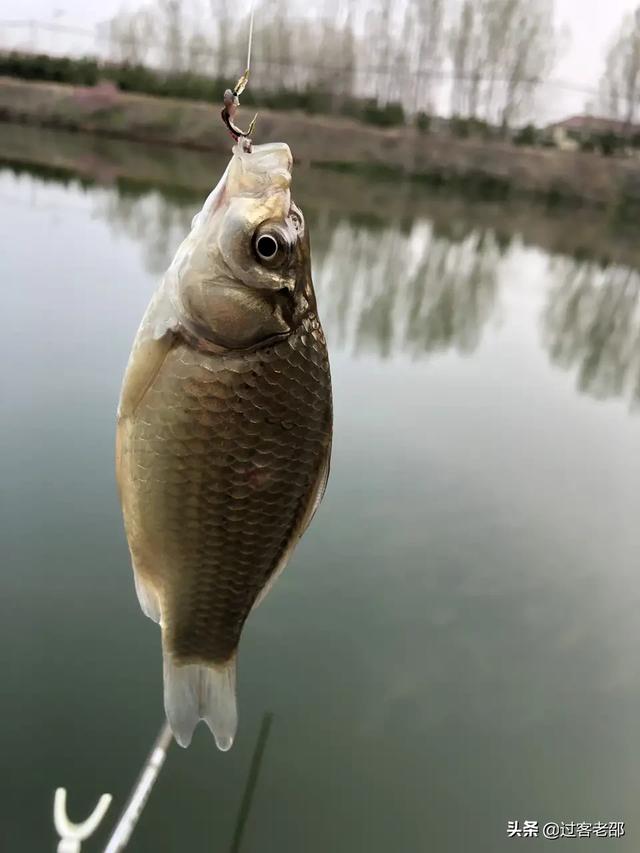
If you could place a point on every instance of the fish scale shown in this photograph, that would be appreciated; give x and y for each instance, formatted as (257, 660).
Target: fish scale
(235, 479)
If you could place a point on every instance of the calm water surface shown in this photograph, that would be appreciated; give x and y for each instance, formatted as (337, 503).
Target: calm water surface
(455, 643)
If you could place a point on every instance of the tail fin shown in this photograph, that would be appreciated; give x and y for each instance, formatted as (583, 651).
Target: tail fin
(194, 692)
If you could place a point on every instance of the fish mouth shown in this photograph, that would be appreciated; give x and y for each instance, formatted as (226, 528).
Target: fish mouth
(260, 181)
(262, 172)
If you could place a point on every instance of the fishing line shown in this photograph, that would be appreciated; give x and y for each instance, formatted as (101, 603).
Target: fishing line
(250, 35)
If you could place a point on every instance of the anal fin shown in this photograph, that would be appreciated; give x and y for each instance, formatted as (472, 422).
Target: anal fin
(148, 598)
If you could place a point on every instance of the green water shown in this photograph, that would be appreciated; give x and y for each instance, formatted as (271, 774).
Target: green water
(455, 643)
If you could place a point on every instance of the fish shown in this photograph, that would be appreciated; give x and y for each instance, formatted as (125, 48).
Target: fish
(224, 431)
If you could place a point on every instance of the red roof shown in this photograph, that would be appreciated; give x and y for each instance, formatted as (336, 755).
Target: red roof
(596, 124)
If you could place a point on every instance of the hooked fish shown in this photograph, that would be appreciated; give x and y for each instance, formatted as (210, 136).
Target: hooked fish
(224, 431)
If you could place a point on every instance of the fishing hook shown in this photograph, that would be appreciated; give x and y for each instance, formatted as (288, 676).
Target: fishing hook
(231, 103)
(231, 98)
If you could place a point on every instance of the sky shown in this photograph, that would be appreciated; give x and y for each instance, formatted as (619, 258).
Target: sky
(591, 24)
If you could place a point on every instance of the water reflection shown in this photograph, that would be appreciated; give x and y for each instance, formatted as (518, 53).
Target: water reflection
(409, 291)
(416, 286)
(591, 323)
(159, 225)
(402, 287)
(478, 541)
(411, 288)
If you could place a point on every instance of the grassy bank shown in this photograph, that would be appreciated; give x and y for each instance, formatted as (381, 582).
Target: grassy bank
(189, 85)
(478, 168)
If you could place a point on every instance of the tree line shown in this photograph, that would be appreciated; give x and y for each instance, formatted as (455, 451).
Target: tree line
(480, 61)
(492, 55)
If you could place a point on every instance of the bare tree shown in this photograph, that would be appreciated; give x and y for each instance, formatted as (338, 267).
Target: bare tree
(172, 29)
(422, 45)
(222, 15)
(272, 44)
(497, 37)
(383, 54)
(620, 84)
(465, 47)
(348, 48)
(528, 54)
(501, 51)
(199, 56)
(130, 36)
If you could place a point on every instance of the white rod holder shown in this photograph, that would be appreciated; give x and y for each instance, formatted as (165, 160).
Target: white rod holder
(73, 834)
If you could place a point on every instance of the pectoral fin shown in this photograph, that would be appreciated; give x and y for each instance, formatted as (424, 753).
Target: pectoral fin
(153, 342)
(143, 367)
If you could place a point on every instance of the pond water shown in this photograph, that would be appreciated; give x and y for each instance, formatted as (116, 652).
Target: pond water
(455, 642)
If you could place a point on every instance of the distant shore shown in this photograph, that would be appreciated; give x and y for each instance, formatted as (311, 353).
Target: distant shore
(185, 178)
(487, 169)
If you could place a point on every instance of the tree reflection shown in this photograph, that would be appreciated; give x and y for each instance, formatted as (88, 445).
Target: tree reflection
(415, 288)
(157, 223)
(397, 290)
(386, 288)
(592, 323)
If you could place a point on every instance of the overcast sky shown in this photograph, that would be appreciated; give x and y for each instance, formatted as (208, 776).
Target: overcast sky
(591, 24)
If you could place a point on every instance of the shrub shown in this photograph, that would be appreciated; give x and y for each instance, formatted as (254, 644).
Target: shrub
(423, 122)
(388, 116)
(527, 135)
(608, 143)
(587, 144)
(188, 85)
(59, 69)
(465, 127)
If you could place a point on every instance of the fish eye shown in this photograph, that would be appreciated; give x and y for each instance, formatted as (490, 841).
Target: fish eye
(267, 247)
